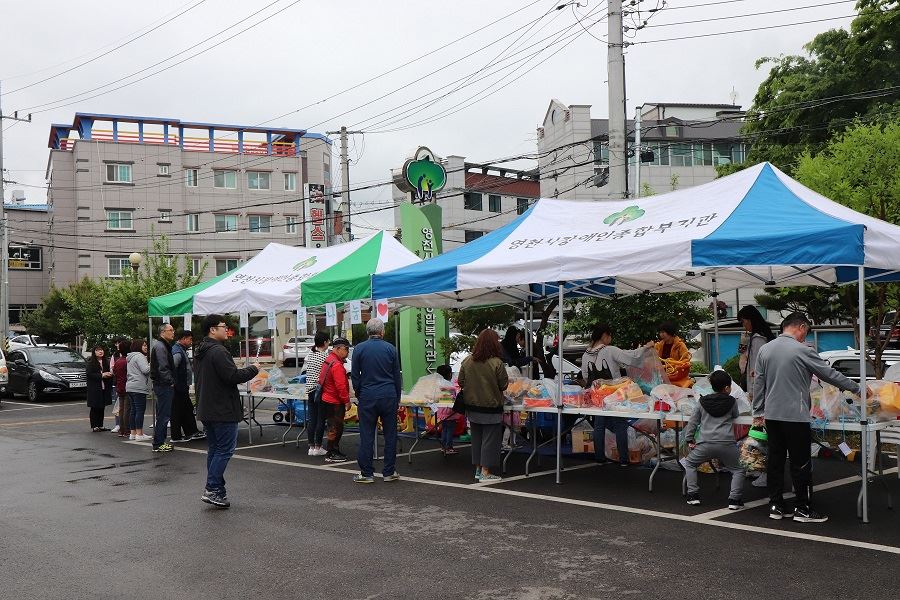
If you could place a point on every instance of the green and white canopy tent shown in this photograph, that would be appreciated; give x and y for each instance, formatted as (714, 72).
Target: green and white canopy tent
(282, 278)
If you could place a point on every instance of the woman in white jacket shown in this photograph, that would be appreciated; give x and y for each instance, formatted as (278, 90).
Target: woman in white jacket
(137, 386)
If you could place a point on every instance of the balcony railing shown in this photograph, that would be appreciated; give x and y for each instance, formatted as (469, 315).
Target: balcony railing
(190, 144)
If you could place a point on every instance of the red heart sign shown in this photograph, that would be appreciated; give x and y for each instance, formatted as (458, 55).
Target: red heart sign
(382, 309)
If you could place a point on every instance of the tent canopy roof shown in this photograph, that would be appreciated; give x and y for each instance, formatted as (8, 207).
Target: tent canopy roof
(754, 228)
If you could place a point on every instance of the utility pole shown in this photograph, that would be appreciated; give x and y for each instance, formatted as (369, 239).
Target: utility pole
(615, 67)
(345, 177)
(4, 252)
(637, 152)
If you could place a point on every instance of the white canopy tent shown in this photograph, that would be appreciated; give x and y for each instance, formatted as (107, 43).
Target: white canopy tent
(756, 227)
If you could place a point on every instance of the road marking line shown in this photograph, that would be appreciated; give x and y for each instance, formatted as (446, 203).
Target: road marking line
(6, 410)
(42, 422)
(590, 504)
(27, 404)
(714, 514)
(289, 443)
(537, 474)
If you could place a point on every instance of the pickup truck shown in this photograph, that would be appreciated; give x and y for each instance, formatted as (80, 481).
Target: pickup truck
(888, 330)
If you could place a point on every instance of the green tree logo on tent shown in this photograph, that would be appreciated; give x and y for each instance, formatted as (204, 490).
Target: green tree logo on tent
(300, 266)
(625, 215)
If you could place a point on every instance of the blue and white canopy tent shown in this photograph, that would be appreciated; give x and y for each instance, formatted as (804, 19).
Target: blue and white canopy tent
(755, 228)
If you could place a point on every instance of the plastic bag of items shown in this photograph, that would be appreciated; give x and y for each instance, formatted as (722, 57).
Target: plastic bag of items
(666, 396)
(649, 373)
(887, 398)
(828, 403)
(538, 395)
(754, 450)
(260, 383)
(616, 394)
(640, 448)
(517, 389)
(429, 390)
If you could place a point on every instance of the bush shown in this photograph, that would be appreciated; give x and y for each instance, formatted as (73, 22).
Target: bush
(732, 367)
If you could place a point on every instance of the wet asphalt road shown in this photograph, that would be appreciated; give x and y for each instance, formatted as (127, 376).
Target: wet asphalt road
(85, 515)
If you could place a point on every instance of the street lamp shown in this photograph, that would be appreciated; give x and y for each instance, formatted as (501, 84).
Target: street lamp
(135, 258)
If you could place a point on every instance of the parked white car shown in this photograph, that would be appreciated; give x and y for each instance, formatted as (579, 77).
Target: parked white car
(847, 362)
(4, 375)
(26, 340)
(294, 351)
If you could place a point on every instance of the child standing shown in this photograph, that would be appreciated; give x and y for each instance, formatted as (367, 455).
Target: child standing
(447, 418)
(714, 418)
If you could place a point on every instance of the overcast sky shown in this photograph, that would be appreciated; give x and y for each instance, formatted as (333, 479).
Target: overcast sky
(315, 49)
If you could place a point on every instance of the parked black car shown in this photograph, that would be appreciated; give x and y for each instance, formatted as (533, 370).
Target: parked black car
(46, 370)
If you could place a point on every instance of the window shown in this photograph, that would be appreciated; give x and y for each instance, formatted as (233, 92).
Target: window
(473, 235)
(193, 222)
(25, 258)
(290, 225)
(223, 265)
(681, 155)
(225, 179)
(226, 223)
(472, 201)
(601, 153)
(260, 224)
(661, 154)
(494, 203)
(290, 182)
(194, 267)
(703, 155)
(117, 266)
(165, 215)
(118, 173)
(191, 176)
(120, 219)
(258, 180)
(162, 170)
(521, 205)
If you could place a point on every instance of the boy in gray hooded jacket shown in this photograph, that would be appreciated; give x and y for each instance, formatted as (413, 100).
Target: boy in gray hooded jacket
(715, 417)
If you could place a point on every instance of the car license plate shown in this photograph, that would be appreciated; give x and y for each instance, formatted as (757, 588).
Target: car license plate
(78, 384)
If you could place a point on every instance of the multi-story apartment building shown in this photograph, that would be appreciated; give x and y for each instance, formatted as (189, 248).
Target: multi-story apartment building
(219, 193)
(477, 198)
(682, 144)
(29, 271)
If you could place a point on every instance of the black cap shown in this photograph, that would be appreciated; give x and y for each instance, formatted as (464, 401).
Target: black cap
(340, 342)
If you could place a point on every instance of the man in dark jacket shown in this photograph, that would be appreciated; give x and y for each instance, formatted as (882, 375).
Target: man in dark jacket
(162, 372)
(218, 404)
(375, 372)
(184, 425)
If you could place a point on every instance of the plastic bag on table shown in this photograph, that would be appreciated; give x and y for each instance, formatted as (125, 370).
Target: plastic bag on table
(601, 388)
(833, 405)
(276, 376)
(626, 391)
(430, 389)
(640, 449)
(887, 395)
(649, 373)
(260, 383)
(686, 406)
(572, 395)
(538, 395)
(517, 389)
(666, 396)
(513, 372)
(702, 387)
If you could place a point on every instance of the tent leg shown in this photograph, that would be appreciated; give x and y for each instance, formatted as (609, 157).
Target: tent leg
(559, 389)
(149, 349)
(715, 297)
(247, 342)
(863, 503)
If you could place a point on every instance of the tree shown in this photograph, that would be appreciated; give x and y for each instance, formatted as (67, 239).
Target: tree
(469, 322)
(821, 304)
(860, 168)
(789, 114)
(635, 319)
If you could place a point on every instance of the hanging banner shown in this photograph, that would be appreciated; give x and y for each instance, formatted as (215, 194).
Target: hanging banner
(331, 314)
(245, 319)
(187, 322)
(165, 319)
(301, 320)
(355, 312)
(382, 310)
(421, 329)
(270, 319)
(315, 211)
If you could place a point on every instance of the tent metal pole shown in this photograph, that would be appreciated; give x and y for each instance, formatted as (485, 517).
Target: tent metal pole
(559, 389)
(529, 345)
(149, 350)
(247, 341)
(715, 297)
(863, 500)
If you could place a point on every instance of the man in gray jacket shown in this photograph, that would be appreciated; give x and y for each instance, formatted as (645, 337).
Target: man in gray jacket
(781, 402)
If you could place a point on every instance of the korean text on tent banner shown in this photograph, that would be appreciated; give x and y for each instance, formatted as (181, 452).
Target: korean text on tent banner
(165, 319)
(355, 312)
(301, 319)
(331, 314)
(270, 319)
(187, 321)
(245, 319)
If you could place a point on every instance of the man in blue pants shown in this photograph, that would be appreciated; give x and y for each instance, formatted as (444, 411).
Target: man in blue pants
(376, 379)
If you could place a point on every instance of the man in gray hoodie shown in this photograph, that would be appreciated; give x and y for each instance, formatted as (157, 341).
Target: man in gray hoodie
(784, 370)
(714, 417)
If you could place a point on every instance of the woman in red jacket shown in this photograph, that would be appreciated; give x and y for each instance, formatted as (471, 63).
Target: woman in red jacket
(120, 374)
(335, 397)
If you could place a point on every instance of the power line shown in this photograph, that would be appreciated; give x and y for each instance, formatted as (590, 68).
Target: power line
(745, 15)
(718, 33)
(108, 52)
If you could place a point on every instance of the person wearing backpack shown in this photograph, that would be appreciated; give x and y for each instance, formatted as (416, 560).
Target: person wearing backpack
(601, 360)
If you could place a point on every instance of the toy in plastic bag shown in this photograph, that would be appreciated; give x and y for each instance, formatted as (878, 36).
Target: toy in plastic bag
(601, 388)
(517, 389)
(572, 395)
(626, 391)
(755, 450)
(538, 396)
(649, 373)
(828, 403)
(260, 383)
